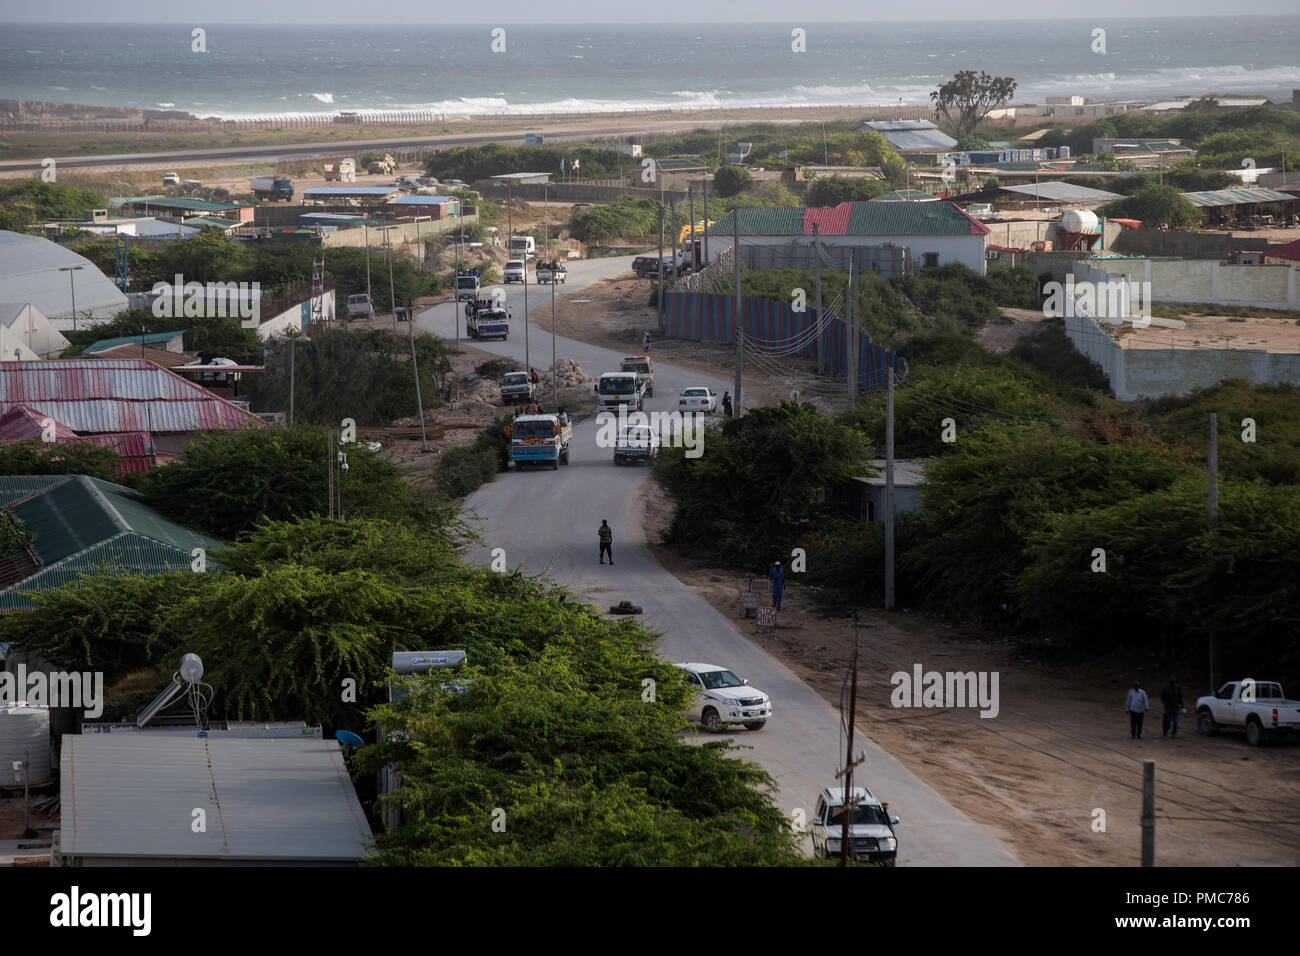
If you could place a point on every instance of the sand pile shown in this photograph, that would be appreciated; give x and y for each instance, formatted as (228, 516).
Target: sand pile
(570, 374)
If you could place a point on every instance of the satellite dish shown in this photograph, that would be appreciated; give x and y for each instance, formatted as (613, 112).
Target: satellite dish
(191, 668)
(348, 739)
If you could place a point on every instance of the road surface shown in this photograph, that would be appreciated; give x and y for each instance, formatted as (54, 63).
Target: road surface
(547, 520)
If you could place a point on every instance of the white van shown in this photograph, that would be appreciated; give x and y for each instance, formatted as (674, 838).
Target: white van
(514, 271)
(359, 307)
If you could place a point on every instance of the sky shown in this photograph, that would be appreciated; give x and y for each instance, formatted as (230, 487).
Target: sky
(604, 11)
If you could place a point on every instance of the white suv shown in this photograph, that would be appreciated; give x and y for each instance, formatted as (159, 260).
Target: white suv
(514, 271)
(871, 828)
(722, 698)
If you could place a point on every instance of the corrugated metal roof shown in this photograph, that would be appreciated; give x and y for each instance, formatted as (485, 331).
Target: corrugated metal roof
(855, 219)
(905, 195)
(1288, 250)
(912, 134)
(29, 272)
(1062, 192)
(97, 395)
(280, 798)
(422, 200)
(168, 202)
(1237, 197)
(150, 339)
(349, 190)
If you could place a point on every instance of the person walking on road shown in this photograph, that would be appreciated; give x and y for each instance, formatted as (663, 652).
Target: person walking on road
(645, 339)
(726, 404)
(532, 376)
(1172, 699)
(777, 577)
(606, 535)
(1137, 705)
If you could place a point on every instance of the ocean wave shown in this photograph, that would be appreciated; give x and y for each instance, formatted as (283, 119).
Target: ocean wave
(323, 97)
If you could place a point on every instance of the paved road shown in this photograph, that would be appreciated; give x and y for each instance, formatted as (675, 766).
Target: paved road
(546, 520)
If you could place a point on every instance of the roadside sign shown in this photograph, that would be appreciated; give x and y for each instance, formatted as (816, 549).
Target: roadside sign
(766, 617)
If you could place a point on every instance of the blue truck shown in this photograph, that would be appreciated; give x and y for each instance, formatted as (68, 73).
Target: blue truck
(539, 440)
(272, 188)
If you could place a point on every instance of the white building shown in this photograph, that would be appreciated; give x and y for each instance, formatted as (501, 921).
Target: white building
(27, 335)
(48, 276)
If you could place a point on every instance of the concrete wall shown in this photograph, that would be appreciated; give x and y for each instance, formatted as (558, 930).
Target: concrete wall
(1185, 245)
(399, 233)
(1201, 280)
(296, 317)
(968, 250)
(580, 192)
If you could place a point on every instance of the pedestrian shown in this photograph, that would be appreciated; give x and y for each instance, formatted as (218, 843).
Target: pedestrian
(469, 309)
(726, 404)
(606, 536)
(1172, 699)
(532, 375)
(645, 339)
(1137, 705)
(777, 577)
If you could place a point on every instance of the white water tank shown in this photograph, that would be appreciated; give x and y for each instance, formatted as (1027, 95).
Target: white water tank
(1079, 220)
(24, 728)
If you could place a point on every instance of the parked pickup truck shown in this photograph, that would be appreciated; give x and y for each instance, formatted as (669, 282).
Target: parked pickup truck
(467, 285)
(486, 320)
(517, 389)
(636, 443)
(1258, 706)
(642, 365)
(619, 388)
(551, 270)
(539, 440)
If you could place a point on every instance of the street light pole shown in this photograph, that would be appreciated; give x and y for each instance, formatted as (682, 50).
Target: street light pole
(72, 287)
(555, 372)
(370, 302)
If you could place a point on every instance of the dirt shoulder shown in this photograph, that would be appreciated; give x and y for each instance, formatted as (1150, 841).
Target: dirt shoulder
(1056, 754)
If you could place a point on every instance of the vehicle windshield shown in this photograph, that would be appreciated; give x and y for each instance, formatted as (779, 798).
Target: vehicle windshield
(636, 367)
(469, 283)
(636, 435)
(715, 679)
(616, 386)
(515, 264)
(515, 378)
(534, 429)
(864, 814)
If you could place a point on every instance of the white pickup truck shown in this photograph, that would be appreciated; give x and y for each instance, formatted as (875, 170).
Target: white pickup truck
(1258, 706)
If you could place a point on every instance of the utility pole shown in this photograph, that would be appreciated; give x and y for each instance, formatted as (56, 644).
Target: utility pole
(705, 181)
(527, 360)
(1213, 516)
(817, 264)
(848, 333)
(388, 255)
(659, 294)
(329, 461)
(672, 235)
(369, 298)
(555, 372)
(737, 324)
(690, 202)
(849, 763)
(889, 491)
(1148, 813)
(854, 351)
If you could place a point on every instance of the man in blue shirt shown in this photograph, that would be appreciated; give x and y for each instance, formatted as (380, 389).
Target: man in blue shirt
(777, 577)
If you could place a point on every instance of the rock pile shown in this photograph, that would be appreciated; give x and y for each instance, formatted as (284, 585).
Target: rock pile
(570, 373)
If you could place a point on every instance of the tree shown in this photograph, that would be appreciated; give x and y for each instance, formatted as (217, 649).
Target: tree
(992, 183)
(838, 189)
(1155, 205)
(729, 180)
(966, 99)
(36, 457)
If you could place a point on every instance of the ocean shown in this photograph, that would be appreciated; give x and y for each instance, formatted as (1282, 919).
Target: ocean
(269, 70)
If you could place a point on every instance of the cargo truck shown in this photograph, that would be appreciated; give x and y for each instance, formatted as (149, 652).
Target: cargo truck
(272, 188)
(522, 247)
(539, 440)
(551, 271)
(642, 365)
(615, 389)
(487, 321)
(467, 287)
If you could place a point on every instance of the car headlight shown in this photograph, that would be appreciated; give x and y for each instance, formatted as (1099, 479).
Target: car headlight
(888, 843)
(833, 845)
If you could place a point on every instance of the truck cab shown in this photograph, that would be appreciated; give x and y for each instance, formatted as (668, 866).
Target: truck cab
(539, 440)
(360, 307)
(487, 320)
(615, 389)
(516, 388)
(642, 365)
(1257, 706)
(522, 247)
(467, 287)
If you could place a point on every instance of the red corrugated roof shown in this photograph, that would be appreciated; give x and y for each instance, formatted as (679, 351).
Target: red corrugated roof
(96, 396)
(1289, 251)
(21, 423)
(830, 221)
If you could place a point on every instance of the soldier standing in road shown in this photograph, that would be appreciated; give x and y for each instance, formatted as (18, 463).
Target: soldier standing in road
(606, 536)
(726, 404)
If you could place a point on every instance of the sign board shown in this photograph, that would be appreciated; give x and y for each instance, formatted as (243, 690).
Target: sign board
(767, 617)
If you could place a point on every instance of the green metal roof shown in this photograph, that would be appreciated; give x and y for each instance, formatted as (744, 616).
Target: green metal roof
(774, 221)
(83, 525)
(905, 195)
(153, 338)
(198, 222)
(910, 219)
(678, 164)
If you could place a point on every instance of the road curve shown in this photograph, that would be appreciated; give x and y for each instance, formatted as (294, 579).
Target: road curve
(546, 521)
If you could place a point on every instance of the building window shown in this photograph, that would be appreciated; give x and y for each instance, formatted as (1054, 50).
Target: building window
(930, 260)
